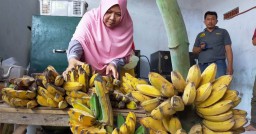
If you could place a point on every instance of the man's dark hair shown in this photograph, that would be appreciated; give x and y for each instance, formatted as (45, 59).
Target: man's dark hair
(210, 13)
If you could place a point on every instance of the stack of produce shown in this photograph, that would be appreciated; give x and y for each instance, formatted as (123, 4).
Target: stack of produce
(20, 92)
(49, 88)
(96, 119)
(213, 101)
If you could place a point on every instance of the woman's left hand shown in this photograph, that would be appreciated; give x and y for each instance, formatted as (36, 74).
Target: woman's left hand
(111, 69)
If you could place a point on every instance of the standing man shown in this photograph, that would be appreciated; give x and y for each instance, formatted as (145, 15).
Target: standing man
(252, 126)
(213, 45)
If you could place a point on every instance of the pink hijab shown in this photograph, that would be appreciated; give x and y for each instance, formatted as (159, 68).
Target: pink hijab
(101, 44)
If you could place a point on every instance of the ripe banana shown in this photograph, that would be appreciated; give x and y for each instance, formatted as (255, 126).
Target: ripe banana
(151, 104)
(209, 74)
(177, 103)
(174, 125)
(116, 131)
(80, 106)
(182, 131)
(32, 104)
(24, 81)
(224, 79)
(219, 126)
(196, 129)
(131, 115)
(87, 69)
(219, 117)
(239, 112)
(22, 94)
(62, 104)
(83, 79)
(71, 86)
(149, 90)
(189, 94)
(82, 117)
(130, 125)
(230, 95)
(55, 89)
(208, 131)
(240, 121)
(165, 122)
(123, 129)
(217, 108)
(131, 105)
(215, 96)
(194, 75)
(151, 123)
(151, 131)
(178, 81)
(236, 101)
(91, 81)
(203, 92)
(77, 94)
(156, 114)
(59, 80)
(166, 108)
(42, 101)
(160, 83)
(139, 96)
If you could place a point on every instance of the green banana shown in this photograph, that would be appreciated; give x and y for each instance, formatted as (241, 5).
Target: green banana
(94, 105)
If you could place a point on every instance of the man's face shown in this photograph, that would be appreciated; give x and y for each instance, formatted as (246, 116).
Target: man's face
(112, 17)
(210, 21)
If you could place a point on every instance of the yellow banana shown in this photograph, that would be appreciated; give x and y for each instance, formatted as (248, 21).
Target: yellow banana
(177, 103)
(32, 104)
(24, 81)
(224, 79)
(57, 97)
(160, 83)
(156, 114)
(196, 129)
(59, 80)
(209, 74)
(151, 131)
(130, 125)
(219, 126)
(189, 94)
(203, 92)
(83, 79)
(240, 121)
(148, 90)
(215, 96)
(22, 94)
(236, 101)
(151, 104)
(123, 129)
(166, 108)
(217, 108)
(131, 105)
(239, 112)
(51, 102)
(178, 81)
(54, 89)
(174, 125)
(71, 86)
(230, 95)
(116, 131)
(165, 122)
(219, 117)
(62, 104)
(42, 101)
(208, 131)
(19, 102)
(91, 81)
(82, 117)
(77, 94)
(139, 96)
(151, 123)
(194, 75)
(87, 69)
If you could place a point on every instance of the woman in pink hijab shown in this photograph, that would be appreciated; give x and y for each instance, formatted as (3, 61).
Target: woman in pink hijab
(103, 38)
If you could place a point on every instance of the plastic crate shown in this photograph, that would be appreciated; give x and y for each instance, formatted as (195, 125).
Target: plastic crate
(63, 7)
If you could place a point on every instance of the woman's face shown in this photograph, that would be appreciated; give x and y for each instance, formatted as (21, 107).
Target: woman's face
(112, 17)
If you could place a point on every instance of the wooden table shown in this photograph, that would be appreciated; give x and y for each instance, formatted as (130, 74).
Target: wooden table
(45, 116)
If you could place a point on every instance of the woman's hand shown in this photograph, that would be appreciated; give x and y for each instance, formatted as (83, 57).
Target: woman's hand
(72, 63)
(111, 69)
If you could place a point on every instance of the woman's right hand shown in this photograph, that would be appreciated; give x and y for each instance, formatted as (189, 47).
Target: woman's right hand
(72, 63)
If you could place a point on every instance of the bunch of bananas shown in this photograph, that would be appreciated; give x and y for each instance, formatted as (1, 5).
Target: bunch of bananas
(127, 126)
(121, 101)
(212, 99)
(20, 92)
(95, 118)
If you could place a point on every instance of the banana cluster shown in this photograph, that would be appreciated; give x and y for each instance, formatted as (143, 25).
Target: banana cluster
(212, 99)
(121, 101)
(127, 126)
(20, 92)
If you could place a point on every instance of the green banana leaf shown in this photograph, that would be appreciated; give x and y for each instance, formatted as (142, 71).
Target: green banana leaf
(120, 120)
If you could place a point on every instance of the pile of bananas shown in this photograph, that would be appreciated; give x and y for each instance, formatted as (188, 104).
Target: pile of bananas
(20, 93)
(211, 98)
(127, 126)
(94, 119)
